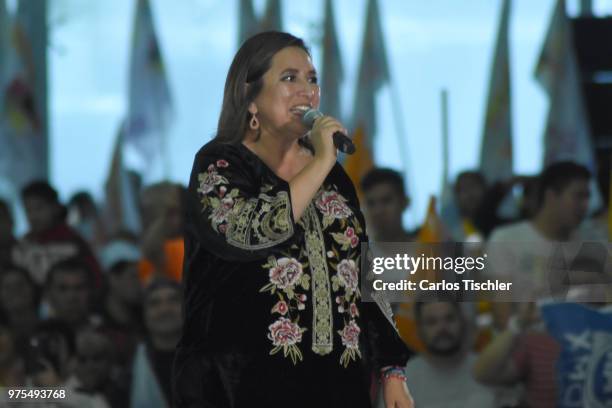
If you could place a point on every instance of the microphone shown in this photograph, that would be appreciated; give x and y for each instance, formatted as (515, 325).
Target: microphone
(341, 141)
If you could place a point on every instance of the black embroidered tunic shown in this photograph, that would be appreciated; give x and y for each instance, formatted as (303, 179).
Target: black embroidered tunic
(273, 312)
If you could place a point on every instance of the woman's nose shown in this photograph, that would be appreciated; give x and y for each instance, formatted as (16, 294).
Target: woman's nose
(308, 89)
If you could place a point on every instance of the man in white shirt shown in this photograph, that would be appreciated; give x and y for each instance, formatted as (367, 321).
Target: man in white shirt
(441, 377)
(525, 252)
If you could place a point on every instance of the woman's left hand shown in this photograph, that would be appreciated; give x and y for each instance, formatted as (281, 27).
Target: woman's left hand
(396, 394)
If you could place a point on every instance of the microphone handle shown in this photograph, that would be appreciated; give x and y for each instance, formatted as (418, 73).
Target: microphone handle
(343, 143)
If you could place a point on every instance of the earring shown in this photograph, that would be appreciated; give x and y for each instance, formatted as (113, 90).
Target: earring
(254, 122)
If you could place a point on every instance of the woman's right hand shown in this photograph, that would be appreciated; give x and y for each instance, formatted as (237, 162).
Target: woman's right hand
(321, 137)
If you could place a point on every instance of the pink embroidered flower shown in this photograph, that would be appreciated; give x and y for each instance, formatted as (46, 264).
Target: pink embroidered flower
(221, 212)
(209, 180)
(332, 204)
(222, 163)
(222, 191)
(350, 335)
(354, 310)
(222, 228)
(348, 274)
(354, 242)
(350, 232)
(284, 332)
(286, 273)
(280, 307)
(302, 297)
(338, 299)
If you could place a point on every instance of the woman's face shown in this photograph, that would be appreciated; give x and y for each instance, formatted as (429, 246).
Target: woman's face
(289, 89)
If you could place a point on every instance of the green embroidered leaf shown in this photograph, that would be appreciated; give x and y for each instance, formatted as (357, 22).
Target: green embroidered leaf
(327, 221)
(268, 287)
(335, 286)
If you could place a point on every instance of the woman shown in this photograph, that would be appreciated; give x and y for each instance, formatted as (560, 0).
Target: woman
(273, 315)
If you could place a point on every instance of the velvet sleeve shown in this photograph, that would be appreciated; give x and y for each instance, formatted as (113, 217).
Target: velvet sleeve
(231, 211)
(384, 345)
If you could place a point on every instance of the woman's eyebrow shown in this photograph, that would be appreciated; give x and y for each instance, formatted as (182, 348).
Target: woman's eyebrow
(295, 71)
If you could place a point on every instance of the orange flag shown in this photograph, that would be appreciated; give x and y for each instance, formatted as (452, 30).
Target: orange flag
(360, 162)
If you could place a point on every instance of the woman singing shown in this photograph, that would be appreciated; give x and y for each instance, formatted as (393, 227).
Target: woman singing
(273, 314)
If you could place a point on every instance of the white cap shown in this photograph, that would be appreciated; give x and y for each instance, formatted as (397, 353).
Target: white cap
(117, 251)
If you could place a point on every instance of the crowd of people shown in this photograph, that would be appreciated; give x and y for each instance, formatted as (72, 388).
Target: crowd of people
(100, 313)
(89, 310)
(501, 354)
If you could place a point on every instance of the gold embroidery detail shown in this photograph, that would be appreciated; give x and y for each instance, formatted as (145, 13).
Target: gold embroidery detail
(260, 222)
(322, 338)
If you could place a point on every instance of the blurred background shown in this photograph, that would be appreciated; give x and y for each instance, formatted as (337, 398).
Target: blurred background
(430, 46)
(481, 113)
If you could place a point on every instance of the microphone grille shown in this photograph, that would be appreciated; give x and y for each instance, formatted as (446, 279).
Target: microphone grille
(310, 116)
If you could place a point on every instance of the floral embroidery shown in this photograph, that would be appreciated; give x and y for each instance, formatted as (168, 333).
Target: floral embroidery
(347, 276)
(210, 179)
(259, 222)
(348, 239)
(333, 206)
(285, 335)
(221, 209)
(286, 276)
(350, 340)
(353, 310)
(280, 308)
(286, 273)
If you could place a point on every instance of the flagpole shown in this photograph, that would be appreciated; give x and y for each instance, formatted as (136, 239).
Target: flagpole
(445, 137)
(400, 130)
(167, 162)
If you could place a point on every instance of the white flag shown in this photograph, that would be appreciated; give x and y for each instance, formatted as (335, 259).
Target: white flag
(567, 135)
(496, 149)
(149, 101)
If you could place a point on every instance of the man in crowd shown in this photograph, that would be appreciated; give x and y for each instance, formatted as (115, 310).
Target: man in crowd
(49, 239)
(441, 376)
(121, 309)
(49, 364)
(95, 368)
(384, 203)
(151, 384)
(69, 291)
(523, 252)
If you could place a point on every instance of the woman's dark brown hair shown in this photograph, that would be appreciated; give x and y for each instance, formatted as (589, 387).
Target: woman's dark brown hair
(245, 80)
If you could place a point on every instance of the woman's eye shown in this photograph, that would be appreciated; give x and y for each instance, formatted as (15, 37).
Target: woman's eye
(314, 80)
(289, 78)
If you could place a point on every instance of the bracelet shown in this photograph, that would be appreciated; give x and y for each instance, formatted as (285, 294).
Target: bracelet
(392, 372)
